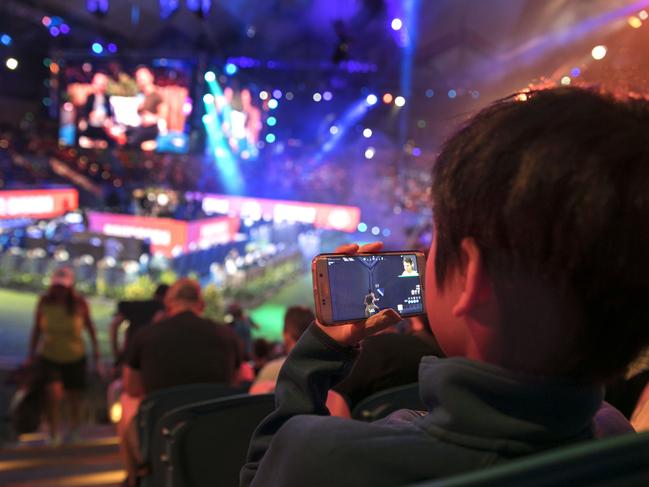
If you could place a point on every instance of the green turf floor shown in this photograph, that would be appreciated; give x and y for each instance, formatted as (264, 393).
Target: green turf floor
(270, 315)
(17, 315)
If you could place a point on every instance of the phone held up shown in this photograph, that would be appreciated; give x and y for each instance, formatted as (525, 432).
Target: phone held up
(350, 288)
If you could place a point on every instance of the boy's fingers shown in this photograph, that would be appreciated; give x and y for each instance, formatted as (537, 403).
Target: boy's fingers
(383, 319)
(347, 249)
(371, 247)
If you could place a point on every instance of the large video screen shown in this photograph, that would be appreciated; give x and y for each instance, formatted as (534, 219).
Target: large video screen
(112, 104)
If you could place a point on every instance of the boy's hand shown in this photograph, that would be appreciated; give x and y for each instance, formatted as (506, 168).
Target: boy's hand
(351, 334)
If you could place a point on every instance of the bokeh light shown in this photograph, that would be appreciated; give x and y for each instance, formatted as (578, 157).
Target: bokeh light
(598, 52)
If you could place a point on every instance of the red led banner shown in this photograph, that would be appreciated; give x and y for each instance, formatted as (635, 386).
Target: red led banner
(38, 203)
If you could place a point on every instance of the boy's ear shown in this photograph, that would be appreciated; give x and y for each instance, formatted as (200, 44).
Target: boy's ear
(476, 286)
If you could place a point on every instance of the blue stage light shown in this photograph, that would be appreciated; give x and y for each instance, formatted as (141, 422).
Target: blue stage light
(575, 72)
(396, 24)
(376, 230)
(327, 96)
(270, 138)
(54, 31)
(5, 39)
(371, 99)
(97, 48)
(333, 130)
(231, 69)
(112, 48)
(362, 227)
(271, 121)
(277, 94)
(208, 98)
(98, 7)
(452, 94)
(272, 104)
(429, 93)
(210, 77)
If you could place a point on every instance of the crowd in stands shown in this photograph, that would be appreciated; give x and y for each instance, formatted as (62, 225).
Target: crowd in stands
(536, 300)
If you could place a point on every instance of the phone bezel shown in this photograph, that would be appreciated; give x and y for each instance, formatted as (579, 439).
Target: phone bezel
(321, 293)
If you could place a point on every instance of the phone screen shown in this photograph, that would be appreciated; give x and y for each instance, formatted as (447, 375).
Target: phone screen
(361, 286)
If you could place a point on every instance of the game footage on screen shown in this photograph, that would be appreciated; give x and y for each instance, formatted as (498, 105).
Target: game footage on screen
(361, 286)
(145, 107)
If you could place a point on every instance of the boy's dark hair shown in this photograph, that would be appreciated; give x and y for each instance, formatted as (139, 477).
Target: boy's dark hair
(555, 188)
(408, 260)
(296, 320)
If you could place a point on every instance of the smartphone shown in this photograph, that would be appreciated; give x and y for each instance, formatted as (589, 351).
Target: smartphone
(349, 288)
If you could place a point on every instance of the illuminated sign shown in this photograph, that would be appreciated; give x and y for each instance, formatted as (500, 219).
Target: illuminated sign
(331, 217)
(167, 237)
(38, 203)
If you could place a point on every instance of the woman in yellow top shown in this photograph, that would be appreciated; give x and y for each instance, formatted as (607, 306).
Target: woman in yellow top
(58, 348)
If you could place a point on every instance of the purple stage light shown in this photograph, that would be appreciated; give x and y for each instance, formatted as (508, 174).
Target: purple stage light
(112, 48)
(54, 31)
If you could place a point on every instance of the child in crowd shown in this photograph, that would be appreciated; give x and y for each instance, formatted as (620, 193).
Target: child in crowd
(536, 288)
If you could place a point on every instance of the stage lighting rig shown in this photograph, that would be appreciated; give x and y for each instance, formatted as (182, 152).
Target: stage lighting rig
(200, 7)
(168, 8)
(98, 7)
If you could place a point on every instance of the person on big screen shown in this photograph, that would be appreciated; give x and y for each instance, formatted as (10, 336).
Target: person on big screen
(57, 349)
(536, 288)
(97, 114)
(151, 108)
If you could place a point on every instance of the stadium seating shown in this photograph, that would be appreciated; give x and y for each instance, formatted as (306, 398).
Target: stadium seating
(206, 443)
(617, 461)
(157, 404)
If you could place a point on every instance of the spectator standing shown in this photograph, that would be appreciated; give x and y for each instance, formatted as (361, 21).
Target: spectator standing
(242, 326)
(138, 314)
(58, 349)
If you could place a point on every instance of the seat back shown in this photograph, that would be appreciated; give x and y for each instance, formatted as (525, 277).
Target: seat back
(618, 461)
(207, 442)
(383, 403)
(156, 404)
